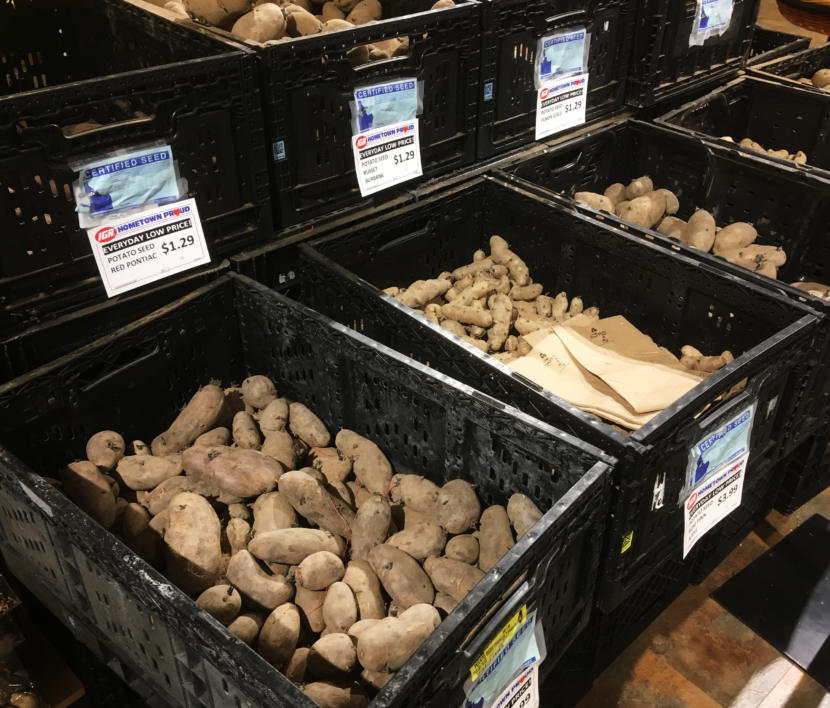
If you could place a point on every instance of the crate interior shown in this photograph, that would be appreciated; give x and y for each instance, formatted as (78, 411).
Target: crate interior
(784, 206)
(135, 381)
(46, 43)
(670, 299)
(769, 113)
(799, 65)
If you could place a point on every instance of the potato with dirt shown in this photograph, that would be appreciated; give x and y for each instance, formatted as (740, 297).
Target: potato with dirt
(199, 415)
(192, 541)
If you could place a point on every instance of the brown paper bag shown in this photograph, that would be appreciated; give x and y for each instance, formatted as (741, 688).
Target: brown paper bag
(646, 385)
(552, 367)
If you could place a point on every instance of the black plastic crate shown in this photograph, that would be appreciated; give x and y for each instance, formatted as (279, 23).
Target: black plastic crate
(768, 44)
(789, 206)
(425, 423)
(308, 83)
(674, 298)
(806, 470)
(790, 69)
(664, 65)
(774, 115)
(41, 343)
(70, 62)
(758, 500)
(509, 37)
(609, 634)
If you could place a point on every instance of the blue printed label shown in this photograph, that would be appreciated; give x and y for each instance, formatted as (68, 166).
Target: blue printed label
(381, 105)
(712, 18)
(562, 54)
(721, 447)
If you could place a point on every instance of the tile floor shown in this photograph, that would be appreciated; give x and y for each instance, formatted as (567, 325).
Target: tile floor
(697, 655)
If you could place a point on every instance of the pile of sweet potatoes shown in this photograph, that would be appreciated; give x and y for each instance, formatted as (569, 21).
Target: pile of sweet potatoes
(306, 547)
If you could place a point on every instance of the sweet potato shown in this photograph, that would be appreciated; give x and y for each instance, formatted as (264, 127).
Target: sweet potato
(370, 526)
(157, 500)
(91, 490)
(280, 446)
(371, 467)
(237, 532)
(388, 645)
(401, 576)
(297, 666)
(452, 577)
(273, 417)
(310, 603)
(104, 449)
(197, 417)
(246, 627)
(523, 513)
(332, 655)
(245, 432)
(363, 582)
(258, 391)
(319, 570)
(334, 465)
(236, 472)
(192, 542)
(221, 601)
(339, 608)
(265, 590)
(311, 499)
(420, 541)
(307, 426)
(457, 506)
(213, 438)
(143, 472)
(279, 635)
(495, 537)
(292, 545)
(422, 613)
(463, 548)
(415, 492)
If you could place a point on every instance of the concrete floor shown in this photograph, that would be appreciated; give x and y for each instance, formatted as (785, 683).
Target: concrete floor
(697, 655)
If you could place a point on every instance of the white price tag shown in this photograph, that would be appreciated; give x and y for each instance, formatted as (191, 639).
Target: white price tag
(561, 105)
(712, 501)
(387, 156)
(712, 19)
(148, 246)
(523, 691)
(715, 476)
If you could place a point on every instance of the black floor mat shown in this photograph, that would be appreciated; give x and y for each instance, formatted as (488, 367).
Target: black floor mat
(784, 597)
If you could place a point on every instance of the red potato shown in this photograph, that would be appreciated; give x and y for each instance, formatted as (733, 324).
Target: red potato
(307, 426)
(235, 472)
(273, 417)
(313, 501)
(245, 432)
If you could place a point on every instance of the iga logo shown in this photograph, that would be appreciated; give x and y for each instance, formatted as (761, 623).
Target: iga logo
(106, 234)
(361, 142)
(692, 501)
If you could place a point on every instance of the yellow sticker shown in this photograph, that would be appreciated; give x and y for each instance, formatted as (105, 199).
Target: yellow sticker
(628, 539)
(494, 647)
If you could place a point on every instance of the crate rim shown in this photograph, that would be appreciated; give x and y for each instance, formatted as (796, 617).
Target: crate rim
(259, 48)
(89, 535)
(811, 304)
(648, 434)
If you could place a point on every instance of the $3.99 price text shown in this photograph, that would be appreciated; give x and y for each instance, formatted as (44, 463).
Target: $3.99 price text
(177, 244)
(405, 156)
(726, 494)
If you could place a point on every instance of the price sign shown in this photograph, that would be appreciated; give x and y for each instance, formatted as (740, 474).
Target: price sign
(148, 246)
(712, 19)
(385, 142)
(387, 156)
(561, 105)
(715, 476)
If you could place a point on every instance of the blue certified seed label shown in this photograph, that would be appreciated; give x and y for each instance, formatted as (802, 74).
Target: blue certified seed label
(712, 19)
(562, 54)
(720, 447)
(382, 105)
